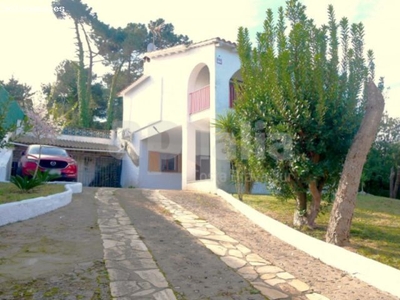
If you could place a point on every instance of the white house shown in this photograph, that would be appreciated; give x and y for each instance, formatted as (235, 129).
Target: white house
(169, 113)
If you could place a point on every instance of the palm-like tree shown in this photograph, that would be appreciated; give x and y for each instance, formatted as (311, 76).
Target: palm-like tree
(229, 132)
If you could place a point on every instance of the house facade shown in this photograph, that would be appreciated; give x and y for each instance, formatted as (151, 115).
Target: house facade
(169, 113)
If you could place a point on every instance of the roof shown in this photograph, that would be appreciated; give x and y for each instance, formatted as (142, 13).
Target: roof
(183, 48)
(67, 144)
(134, 84)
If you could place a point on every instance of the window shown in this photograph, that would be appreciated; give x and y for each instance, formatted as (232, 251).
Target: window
(164, 162)
(233, 93)
(168, 162)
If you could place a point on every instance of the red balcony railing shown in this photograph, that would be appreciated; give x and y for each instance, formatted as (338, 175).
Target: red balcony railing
(199, 100)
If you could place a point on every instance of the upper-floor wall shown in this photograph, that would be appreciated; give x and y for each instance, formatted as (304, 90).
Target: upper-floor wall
(174, 76)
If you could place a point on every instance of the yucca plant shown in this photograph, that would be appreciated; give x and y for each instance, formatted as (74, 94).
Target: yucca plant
(26, 183)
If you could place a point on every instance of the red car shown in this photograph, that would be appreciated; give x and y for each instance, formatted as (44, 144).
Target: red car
(54, 159)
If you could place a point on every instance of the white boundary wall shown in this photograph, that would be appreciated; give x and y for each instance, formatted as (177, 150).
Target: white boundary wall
(26, 209)
(370, 271)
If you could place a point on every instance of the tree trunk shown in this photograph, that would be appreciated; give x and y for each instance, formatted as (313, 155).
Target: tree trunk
(396, 184)
(89, 72)
(316, 193)
(338, 232)
(300, 215)
(110, 108)
(248, 182)
(239, 182)
(391, 182)
(84, 119)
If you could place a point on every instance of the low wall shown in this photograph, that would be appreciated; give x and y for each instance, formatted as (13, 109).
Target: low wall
(26, 209)
(370, 271)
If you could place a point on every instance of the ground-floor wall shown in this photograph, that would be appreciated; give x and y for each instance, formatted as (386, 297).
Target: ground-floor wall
(151, 177)
(100, 169)
(6, 159)
(129, 173)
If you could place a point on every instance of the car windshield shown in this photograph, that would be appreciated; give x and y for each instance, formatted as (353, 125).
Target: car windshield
(54, 151)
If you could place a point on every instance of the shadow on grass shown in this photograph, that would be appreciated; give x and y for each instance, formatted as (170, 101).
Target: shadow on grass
(375, 231)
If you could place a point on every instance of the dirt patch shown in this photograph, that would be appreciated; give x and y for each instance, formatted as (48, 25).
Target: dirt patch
(324, 279)
(58, 255)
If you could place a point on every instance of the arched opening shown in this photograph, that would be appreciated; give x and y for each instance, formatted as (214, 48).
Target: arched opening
(234, 84)
(199, 89)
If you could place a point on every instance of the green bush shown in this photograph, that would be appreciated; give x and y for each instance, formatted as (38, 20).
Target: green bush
(27, 183)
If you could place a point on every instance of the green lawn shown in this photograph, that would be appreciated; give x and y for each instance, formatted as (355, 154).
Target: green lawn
(10, 193)
(375, 232)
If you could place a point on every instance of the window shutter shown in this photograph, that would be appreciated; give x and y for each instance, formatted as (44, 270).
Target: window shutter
(232, 95)
(154, 161)
(179, 162)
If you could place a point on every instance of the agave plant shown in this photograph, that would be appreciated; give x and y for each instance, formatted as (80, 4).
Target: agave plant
(26, 183)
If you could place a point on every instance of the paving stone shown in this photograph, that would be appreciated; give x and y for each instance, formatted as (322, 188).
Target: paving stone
(243, 249)
(118, 275)
(236, 253)
(299, 285)
(258, 264)
(269, 269)
(285, 275)
(233, 262)
(143, 293)
(129, 231)
(274, 281)
(217, 249)
(255, 258)
(145, 285)
(145, 263)
(227, 245)
(270, 293)
(288, 289)
(123, 288)
(187, 225)
(214, 230)
(315, 296)
(114, 254)
(164, 295)
(138, 245)
(119, 264)
(248, 273)
(268, 276)
(209, 242)
(223, 238)
(109, 243)
(154, 277)
(198, 232)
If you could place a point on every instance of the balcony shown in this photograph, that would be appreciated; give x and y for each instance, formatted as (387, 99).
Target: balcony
(199, 100)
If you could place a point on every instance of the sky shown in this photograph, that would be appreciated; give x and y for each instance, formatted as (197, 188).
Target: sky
(33, 42)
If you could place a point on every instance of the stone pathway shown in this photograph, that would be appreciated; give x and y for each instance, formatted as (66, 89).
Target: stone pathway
(134, 274)
(271, 281)
(132, 271)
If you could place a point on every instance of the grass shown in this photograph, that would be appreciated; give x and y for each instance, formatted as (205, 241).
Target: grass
(10, 193)
(375, 231)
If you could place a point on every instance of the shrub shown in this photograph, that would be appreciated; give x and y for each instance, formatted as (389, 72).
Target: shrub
(27, 183)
